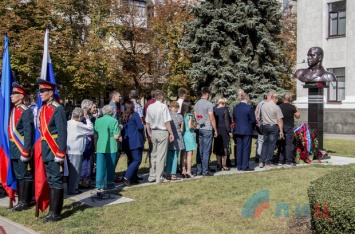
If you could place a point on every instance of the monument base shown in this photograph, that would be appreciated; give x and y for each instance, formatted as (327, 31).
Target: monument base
(316, 109)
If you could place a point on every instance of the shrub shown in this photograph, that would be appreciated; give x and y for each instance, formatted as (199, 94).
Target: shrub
(332, 202)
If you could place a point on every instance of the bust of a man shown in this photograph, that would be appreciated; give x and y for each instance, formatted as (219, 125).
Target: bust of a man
(315, 71)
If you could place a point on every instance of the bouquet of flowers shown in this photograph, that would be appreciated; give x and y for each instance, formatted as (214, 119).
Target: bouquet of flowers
(306, 144)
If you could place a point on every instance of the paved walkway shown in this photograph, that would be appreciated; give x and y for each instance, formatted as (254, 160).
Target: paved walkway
(10, 227)
(91, 198)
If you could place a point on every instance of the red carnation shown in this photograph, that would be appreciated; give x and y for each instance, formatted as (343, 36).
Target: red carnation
(319, 153)
(303, 156)
(313, 136)
(320, 84)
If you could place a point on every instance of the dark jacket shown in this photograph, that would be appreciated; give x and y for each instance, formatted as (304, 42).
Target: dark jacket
(57, 126)
(132, 133)
(23, 121)
(244, 119)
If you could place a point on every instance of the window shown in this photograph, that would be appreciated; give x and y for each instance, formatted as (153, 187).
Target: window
(337, 18)
(336, 90)
(138, 7)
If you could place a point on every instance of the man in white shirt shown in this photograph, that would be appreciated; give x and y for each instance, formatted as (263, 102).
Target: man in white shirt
(159, 131)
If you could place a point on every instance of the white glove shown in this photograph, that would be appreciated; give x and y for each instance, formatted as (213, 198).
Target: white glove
(24, 159)
(58, 160)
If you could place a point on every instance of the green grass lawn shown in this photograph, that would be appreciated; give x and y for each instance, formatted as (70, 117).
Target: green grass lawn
(340, 147)
(207, 205)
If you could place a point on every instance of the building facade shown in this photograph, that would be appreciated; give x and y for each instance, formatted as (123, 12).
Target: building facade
(329, 24)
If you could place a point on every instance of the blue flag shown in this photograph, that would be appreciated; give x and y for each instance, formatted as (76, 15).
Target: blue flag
(6, 173)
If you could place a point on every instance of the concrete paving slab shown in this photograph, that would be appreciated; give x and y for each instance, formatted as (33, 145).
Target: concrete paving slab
(10, 227)
(91, 198)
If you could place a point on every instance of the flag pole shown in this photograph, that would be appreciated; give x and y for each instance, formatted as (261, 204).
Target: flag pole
(11, 204)
(37, 210)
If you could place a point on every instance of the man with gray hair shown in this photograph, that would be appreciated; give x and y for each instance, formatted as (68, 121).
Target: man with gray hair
(260, 140)
(85, 170)
(272, 128)
(289, 112)
(240, 93)
(244, 119)
(160, 133)
(76, 142)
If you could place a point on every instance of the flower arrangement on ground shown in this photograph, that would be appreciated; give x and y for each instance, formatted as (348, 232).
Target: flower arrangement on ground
(306, 144)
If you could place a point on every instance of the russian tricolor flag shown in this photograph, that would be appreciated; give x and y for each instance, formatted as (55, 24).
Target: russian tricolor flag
(7, 176)
(41, 185)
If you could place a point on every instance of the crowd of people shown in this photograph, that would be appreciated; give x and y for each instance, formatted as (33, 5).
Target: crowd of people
(85, 134)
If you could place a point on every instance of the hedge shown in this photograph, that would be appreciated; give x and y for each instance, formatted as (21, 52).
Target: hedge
(332, 202)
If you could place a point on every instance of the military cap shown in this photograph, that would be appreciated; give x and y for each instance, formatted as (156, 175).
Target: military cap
(18, 89)
(43, 84)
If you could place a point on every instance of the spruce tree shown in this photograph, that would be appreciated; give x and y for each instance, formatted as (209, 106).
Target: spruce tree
(234, 44)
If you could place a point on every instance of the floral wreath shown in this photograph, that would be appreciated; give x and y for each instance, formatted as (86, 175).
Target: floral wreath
(306, 144)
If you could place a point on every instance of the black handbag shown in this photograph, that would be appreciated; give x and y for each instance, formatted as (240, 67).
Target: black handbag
(259, 127)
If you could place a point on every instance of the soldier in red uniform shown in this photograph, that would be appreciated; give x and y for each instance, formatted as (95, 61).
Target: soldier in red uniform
(21, 134)
(53, 128)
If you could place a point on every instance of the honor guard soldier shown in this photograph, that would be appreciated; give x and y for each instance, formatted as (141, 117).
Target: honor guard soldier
(53, 128)
(21, 133)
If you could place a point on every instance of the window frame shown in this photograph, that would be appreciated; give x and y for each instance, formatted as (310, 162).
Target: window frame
(337, 35)
(337, 87)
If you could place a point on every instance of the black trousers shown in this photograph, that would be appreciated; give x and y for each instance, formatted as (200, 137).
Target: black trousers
(287, 149)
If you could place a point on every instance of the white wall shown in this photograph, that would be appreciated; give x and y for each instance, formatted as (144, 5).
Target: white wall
(312, 30)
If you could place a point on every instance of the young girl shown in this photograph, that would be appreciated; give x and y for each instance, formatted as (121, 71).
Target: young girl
(177, 126)
(189, 138)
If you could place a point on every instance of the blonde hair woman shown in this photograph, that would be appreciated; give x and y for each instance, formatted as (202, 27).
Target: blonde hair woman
(221, 142)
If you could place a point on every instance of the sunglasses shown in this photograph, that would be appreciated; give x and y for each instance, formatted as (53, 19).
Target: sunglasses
(44, 90)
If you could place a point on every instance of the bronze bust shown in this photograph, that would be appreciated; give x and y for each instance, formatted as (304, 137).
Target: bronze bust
(315, 71)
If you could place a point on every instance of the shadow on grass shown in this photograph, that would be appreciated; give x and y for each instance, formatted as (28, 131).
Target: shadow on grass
(72, 208)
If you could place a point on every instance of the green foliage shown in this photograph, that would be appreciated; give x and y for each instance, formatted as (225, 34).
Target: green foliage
(233, 44)
(167, 27)
(332, 202)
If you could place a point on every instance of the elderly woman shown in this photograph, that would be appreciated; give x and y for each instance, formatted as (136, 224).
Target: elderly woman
(76, 142)
(107, 133)
(87, 106)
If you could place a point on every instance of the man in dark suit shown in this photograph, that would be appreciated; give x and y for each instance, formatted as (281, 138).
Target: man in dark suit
(21, 133)
(244, 122)
(53, 128)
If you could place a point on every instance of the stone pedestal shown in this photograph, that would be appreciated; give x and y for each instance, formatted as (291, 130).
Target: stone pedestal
(316, 108)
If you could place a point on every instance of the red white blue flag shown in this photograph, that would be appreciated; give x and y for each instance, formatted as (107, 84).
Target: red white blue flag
(303, 129)
(7, 176)
(41, 184)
